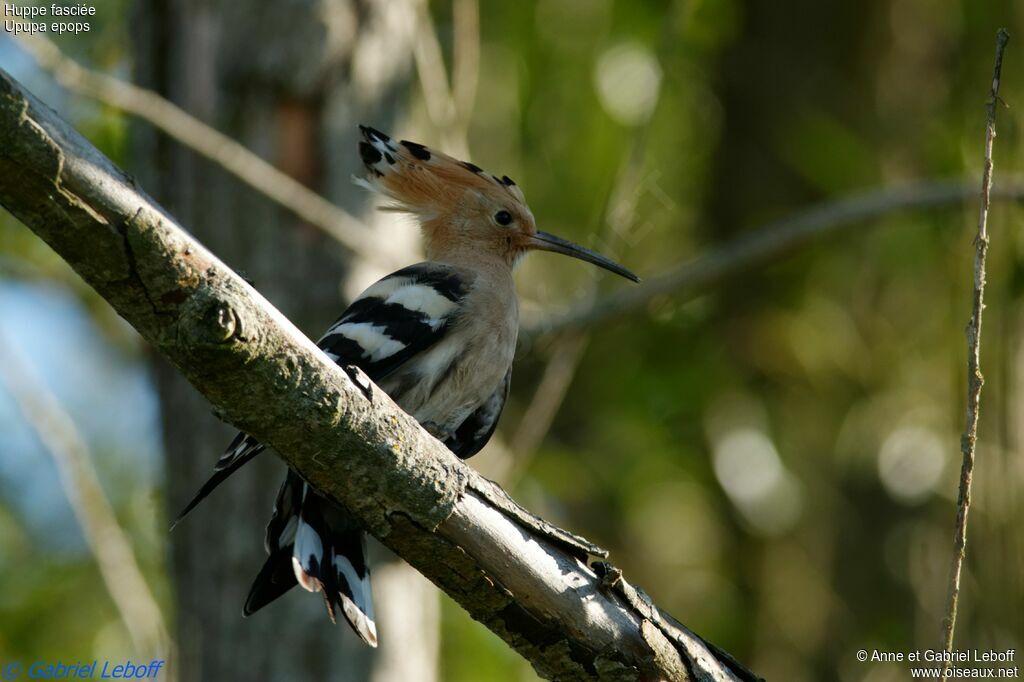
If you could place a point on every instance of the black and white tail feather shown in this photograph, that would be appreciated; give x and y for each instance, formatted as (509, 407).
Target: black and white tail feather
(314, 543)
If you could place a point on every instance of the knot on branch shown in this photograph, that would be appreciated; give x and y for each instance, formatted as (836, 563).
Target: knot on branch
(207, 323)
(227, 323)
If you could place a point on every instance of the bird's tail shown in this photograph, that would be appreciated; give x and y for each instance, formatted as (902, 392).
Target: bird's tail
(314, 543)
(241, 450)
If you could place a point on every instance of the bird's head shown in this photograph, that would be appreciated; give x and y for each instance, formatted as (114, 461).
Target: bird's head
(461, 208)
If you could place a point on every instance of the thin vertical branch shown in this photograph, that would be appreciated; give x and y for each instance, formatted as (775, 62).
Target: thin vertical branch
(465, 58)
(434, 84)
(449, 106)
(547, 398)
(567, 351)
(974, 378)
(108, 543)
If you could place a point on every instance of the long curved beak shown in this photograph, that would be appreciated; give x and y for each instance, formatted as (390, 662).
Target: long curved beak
(544, 241)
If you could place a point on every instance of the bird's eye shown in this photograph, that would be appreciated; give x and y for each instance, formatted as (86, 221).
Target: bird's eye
(503, 218)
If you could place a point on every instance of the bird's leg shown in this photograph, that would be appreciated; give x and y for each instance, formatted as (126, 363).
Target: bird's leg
(361, 381)
(439, 432)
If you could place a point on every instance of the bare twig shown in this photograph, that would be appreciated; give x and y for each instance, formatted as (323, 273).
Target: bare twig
(108, 543)
(975, 380)
(465, 58)
(618, 213)
(567, 350)
(449, 107)
(214, 145)
(765, 245)
(434, 85)
(547, 399)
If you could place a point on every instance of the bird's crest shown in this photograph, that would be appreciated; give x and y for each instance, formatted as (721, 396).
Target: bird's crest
(421, 180)
(465, 213)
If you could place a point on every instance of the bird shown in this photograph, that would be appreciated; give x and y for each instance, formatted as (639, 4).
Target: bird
(437, 336)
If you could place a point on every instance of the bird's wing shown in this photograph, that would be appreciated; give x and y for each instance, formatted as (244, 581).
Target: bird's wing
(477, 429)
(397, 318)
(243, 448)
(391, 322)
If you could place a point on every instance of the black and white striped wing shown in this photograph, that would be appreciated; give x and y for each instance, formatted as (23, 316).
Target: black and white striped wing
(473, 434)
(396, 319)
(391, 322)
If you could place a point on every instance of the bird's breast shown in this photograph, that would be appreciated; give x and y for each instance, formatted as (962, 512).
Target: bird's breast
(446, 383)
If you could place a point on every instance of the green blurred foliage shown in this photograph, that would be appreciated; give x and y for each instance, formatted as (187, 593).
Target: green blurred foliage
(775, 461)
(54, 605)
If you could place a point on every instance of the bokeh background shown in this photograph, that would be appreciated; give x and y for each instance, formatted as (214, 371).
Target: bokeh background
(773, 457)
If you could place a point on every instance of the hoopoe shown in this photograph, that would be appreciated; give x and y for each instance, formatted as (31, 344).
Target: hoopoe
(437, 336)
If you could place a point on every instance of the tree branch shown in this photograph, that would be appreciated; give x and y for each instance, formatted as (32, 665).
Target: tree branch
(974, 378)
(524, 579)
(245, 165)
(444, 102)
(465, 59)
(765, 245)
